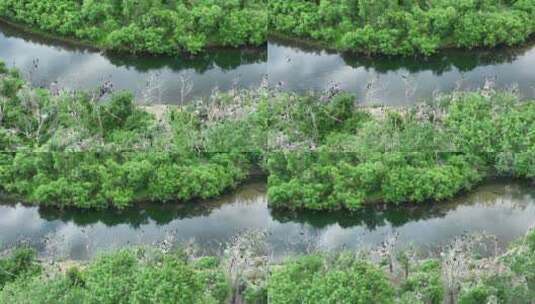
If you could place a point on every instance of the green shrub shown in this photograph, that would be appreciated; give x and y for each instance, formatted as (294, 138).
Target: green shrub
(155, 27)
(521, 259)
(97, 153)
(320, 152)
(426, 283)
(404, 27)
(125, 276)
(309, 280)
(21, 262)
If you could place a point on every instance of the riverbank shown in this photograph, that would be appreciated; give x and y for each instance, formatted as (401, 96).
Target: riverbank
(395, 81)
(502, 209)
(87, 45)
(314, 46)
(321, 152)
(152, 79)
(470, 269)
(159, 80)
(153, 29)
(403, 29)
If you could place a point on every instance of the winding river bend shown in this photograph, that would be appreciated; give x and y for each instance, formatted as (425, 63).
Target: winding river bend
(502, 209)
(401, 81)
(153, 79)
(289, 65)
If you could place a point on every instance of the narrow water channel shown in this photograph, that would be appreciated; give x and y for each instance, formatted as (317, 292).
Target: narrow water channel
(47, 62)
(401, 81)
(502, 209)
(289, 65)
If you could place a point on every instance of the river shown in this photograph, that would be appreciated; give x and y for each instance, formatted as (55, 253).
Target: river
(160, 80)
(401, 81)
(288, 65)
(502, 209)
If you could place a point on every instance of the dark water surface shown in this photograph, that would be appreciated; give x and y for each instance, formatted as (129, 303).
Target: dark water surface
(401, 81)
(158, 79)
(293, 66)
(503, 209)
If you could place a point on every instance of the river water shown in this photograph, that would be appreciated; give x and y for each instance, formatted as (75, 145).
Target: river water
(291, 66)
(401, 81)
(153, 79)
(502, 209)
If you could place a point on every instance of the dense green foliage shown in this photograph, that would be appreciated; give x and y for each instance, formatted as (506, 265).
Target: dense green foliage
(496, 287)
(522, 259)
(20, 263)
(344, 280)
(147, 26)
(426, 153)
(424, 284)
(127, 276)
(371, 27)
(460, 274)
(90, 151)
(404, 27)
(350, 278)
(320, 152)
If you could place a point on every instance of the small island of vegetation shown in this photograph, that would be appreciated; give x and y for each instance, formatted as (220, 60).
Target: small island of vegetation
(96, 149)
(319, 151)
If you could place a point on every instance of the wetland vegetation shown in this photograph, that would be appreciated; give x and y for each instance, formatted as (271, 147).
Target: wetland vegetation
(356, 203)
(468, 270)
(403, 27)
(152, 27)
(99, 149)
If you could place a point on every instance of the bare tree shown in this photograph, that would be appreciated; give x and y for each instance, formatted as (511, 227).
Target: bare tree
(387, 250)
(246, 262)
(185, 86)
(373, 89)
(410, 84)
(153, 89)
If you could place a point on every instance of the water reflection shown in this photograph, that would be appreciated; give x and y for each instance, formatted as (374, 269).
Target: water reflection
(400, 81)
(45, 60)
(506, 210)
(295, 67)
